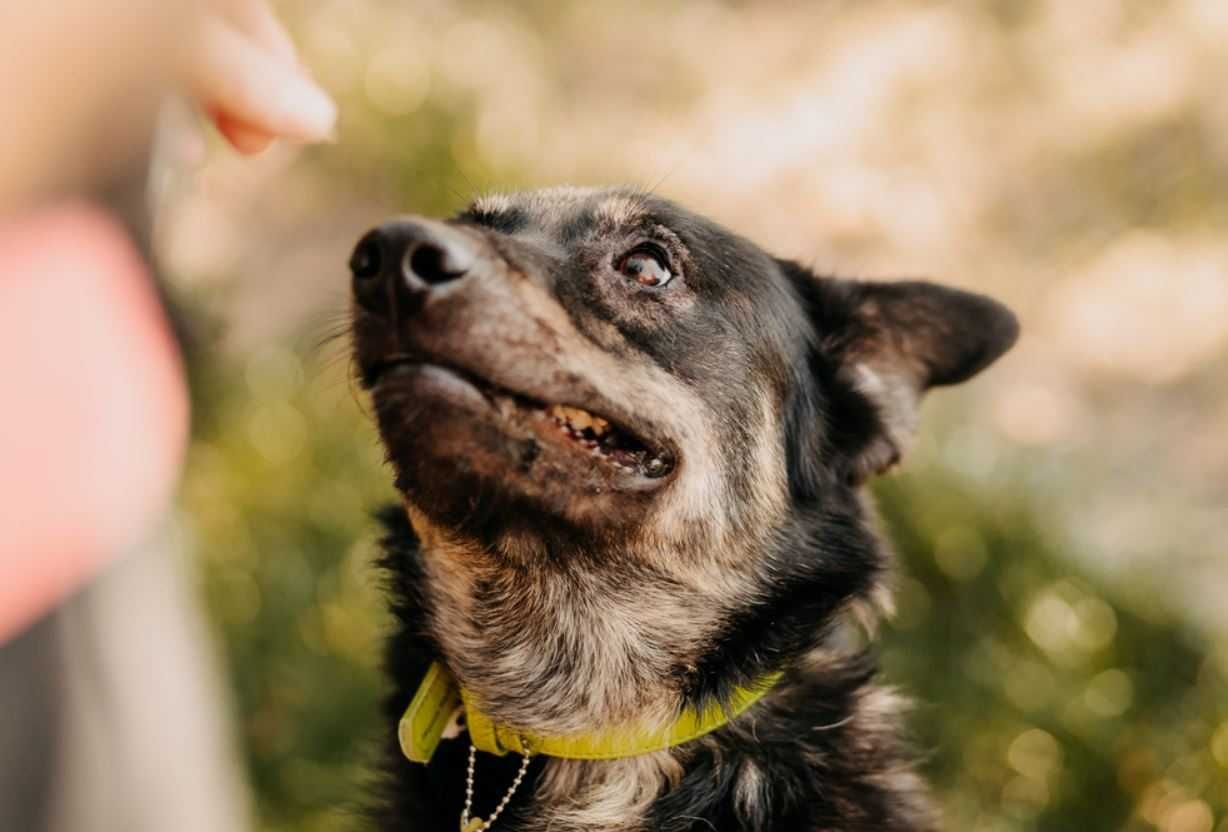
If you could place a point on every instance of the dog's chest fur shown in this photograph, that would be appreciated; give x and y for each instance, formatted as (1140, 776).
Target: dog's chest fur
(821, 751)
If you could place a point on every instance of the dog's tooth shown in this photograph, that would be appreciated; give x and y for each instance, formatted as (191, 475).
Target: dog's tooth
(599, 426)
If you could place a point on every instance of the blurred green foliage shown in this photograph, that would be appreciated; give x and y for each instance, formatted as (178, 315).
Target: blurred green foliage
(1048, 702)
(282, 479)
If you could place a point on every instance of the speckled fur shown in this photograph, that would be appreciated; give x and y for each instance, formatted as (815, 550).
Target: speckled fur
(564, 612)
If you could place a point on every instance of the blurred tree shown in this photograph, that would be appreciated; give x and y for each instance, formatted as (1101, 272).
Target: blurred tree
(1048, 702)
(281, 482)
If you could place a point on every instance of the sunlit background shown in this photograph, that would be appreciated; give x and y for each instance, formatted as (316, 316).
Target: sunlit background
(1062, 521)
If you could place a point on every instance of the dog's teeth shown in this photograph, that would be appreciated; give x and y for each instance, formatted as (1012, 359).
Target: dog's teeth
(577, 418)
(580, 419)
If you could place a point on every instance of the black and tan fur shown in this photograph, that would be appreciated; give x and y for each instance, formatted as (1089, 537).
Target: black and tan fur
(567, 594)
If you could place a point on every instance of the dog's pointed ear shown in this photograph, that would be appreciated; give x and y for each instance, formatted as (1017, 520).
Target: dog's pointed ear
(892, 341)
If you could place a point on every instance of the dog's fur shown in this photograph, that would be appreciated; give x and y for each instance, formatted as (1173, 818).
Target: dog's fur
(567, 595)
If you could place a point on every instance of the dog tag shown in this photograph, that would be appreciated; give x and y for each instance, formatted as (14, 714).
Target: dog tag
(428, 715)
(474, 825)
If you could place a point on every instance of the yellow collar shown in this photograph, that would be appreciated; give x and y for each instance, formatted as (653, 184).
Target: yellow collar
(439, 697)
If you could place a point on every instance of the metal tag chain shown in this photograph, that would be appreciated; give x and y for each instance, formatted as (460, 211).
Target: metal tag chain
(468, 824)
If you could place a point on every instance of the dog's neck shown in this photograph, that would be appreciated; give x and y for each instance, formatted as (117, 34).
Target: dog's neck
(564, 657)
(556, 645)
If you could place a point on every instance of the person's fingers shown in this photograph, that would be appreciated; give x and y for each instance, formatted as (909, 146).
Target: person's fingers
(247, 140)
(256, 19)
(234, 77)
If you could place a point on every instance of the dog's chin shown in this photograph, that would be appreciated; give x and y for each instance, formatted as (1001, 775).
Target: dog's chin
(465, 452)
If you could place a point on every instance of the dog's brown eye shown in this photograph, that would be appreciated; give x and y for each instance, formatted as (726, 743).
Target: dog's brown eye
(647, 267)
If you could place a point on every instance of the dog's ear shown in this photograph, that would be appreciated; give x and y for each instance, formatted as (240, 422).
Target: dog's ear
(889, 342)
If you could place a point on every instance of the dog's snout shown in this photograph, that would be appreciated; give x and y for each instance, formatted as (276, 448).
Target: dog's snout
(408, 259)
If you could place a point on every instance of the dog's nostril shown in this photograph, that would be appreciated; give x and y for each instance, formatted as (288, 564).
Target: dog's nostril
(434, 264)
(366, 260)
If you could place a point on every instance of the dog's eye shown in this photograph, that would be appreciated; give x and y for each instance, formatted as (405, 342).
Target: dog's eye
(647, 266)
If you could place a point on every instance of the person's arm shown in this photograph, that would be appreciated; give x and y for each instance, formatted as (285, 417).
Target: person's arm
(93, 413)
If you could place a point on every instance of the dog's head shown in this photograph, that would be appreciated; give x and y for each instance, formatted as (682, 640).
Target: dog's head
(602, 385)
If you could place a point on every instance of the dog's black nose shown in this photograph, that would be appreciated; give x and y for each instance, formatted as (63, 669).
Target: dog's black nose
(404, 260)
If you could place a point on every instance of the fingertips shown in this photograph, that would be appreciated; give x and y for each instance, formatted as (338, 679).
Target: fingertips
(246, 140)
(238, 79)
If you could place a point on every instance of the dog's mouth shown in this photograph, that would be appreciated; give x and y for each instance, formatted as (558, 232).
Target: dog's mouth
(600, 439)
(605, 441)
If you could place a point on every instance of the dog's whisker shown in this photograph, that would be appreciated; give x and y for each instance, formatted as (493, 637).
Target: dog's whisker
(831, 726)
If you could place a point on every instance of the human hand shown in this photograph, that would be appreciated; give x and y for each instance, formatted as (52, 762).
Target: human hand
(245, 73)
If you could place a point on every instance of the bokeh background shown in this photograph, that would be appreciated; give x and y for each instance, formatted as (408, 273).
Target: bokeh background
(1061, 523)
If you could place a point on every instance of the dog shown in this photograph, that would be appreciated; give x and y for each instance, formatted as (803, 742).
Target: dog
(631, 447)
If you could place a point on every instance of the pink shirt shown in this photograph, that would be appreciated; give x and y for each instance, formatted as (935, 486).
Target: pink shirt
(93, 405)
